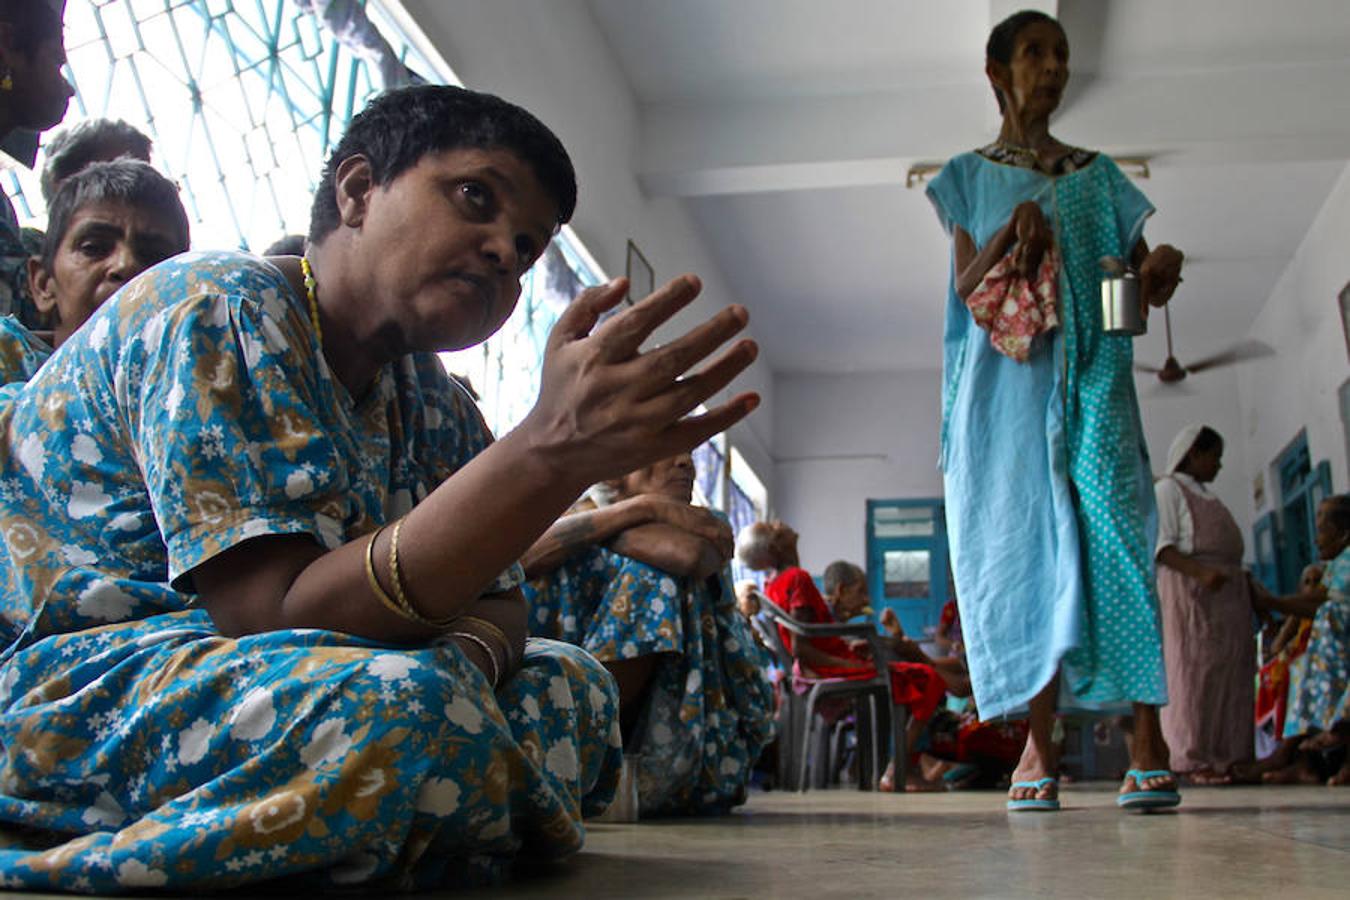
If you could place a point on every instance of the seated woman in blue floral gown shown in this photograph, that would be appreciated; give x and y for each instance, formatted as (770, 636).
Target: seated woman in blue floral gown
(260, 600)
(106, 224)
(639, 578)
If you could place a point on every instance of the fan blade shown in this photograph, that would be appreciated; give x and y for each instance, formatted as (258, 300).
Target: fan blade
(1235, 354)
(1150, 370)
(1170, 389)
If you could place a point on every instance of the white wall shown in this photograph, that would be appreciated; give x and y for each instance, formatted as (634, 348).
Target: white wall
(841, 440)
(1297, 387)
(1208, 398)
(551, 58)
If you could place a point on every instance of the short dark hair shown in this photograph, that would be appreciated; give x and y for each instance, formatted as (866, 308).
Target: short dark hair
(286, 245)
(1338, 510)
(127, 181)
(73, 148)
(842, 573)
(401, 126)
(1003, 39)
(34, 22)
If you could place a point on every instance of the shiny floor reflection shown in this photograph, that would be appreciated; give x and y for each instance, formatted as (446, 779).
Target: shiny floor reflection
(1223, 842)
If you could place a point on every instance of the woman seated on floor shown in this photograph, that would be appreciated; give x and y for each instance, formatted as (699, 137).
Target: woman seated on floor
(1289, 642)
(639, 577)
(261, 597)
(1317, 721)
(772, 547)
(106, 224)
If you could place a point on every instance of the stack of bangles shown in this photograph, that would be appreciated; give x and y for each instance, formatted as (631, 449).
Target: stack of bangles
(479, 632)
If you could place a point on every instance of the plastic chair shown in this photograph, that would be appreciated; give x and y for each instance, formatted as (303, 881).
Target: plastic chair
(803, 735)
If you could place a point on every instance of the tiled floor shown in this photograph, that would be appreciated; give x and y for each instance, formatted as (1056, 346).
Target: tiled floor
(1229, 843)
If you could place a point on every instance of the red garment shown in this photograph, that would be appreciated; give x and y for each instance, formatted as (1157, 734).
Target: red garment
(1272, 685)
(915, 685)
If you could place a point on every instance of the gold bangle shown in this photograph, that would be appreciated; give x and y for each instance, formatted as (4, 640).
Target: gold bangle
(486, 648)
(400, 596)
(495, 631)
(375, 588)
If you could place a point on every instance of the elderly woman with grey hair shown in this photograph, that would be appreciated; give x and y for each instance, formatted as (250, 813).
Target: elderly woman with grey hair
(638, 577)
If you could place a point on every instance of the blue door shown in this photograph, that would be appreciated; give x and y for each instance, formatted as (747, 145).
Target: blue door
(1302, 487)
(907, 561)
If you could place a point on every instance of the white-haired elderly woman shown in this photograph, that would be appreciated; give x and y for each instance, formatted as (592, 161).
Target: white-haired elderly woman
(638, 576)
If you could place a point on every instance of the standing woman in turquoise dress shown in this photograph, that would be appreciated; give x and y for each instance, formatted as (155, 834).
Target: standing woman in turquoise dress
(259, 598)
(1048, 489)
(33, 96)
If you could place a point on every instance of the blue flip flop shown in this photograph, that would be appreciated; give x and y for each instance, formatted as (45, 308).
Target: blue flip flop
(1146, 800)
(1031, 804)
(959, 773)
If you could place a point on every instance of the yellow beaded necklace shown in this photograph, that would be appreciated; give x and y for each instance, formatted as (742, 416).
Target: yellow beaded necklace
(312, 295)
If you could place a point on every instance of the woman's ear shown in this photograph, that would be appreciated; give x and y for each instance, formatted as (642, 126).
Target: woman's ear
(353, 183)
(1000, 78)
(42, 286)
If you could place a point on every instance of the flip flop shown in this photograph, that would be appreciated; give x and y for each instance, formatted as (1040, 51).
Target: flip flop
(1031, 804)
(959, 773)
(1147, 800)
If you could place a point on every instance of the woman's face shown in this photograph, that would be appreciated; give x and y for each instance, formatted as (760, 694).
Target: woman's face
(105, 245)
(1309, 578)
(1033, 80)
(673, 478)
(40, 93)
(445, 245)
(1330, 538)
(1204, 465)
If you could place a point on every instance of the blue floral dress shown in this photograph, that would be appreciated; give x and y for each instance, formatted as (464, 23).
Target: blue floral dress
(709, 708)
(143, 749)
(21, 352)
(1319, 680)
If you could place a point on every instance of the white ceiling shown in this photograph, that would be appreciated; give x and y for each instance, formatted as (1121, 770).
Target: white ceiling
(787, 127)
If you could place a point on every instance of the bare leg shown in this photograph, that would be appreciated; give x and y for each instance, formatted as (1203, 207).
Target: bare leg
(914, 778)
(632, 676)
(1149, 752)
(1039, 759)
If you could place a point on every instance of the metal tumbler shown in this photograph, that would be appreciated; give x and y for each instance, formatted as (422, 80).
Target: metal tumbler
(1120, 302)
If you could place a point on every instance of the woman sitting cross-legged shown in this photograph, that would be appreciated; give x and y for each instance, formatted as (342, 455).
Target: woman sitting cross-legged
(1318, 717)
(260, 592)
(639, 578)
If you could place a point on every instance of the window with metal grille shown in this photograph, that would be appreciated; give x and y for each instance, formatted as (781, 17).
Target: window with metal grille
(244, 99)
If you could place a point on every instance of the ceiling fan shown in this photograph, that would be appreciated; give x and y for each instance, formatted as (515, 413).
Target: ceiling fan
(1173, 371)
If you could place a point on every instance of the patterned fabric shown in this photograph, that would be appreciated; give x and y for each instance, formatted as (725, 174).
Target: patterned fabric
(1013, 310)
(1319, 680)
(21, 352)
(1049, 493)
(709, 708)
(192, 412)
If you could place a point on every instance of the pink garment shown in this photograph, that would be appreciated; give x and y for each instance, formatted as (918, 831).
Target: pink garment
(1210, 649)
(1012, 309)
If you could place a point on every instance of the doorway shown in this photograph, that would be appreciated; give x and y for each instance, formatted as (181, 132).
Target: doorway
(907, 566)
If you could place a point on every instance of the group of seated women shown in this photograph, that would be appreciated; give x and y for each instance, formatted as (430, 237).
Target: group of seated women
(262, 601)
